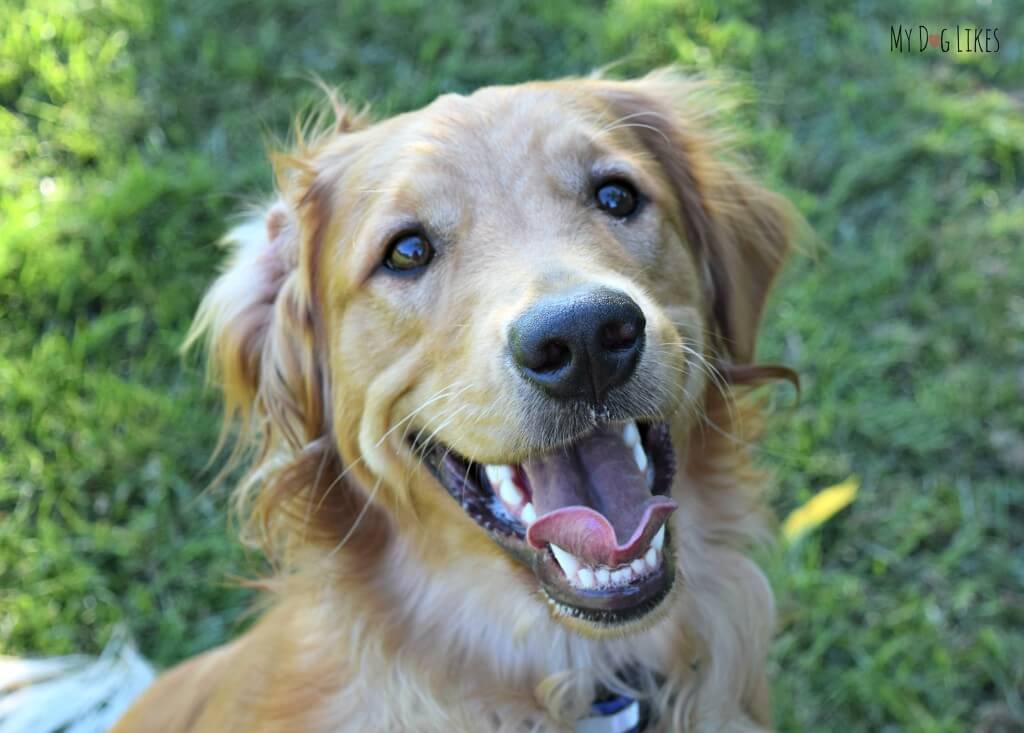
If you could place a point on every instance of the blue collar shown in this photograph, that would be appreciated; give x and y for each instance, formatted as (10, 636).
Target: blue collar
(612, 714)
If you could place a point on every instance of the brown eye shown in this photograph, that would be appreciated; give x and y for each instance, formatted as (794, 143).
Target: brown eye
(617, 198)
(409, 252)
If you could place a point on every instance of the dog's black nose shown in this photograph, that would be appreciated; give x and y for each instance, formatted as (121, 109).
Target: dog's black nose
(578, 345)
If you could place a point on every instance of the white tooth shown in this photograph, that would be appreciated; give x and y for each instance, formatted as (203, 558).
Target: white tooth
(529, 515)
(497, 474)
(569, 563)
(650, 476)
(651, 558)
(622, 576)
(630, 434)
(586, 577)
(659, 539)
(640, 457)
(510, 493)
(603, 575)
(639, 567)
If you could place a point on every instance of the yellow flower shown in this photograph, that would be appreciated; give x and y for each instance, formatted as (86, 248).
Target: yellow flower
(820, 508)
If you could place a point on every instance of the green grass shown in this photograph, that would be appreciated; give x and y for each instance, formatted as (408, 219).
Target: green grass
(130, 130)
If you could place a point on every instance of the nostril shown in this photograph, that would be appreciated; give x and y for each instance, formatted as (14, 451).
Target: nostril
(619, 335)
(553, 355)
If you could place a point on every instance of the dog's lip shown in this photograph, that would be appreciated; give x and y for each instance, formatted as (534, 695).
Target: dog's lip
(603, 605)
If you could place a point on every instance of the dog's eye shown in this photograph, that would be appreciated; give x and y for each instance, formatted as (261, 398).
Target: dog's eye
(408, 252)
(617, 198)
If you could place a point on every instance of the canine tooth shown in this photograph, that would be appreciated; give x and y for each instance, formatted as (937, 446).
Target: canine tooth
(497, 474)
(568, 562)
(510, 493)
(529, 514)
(631, 434)
(651, 558)
(650, 476)
(622, 576)
(640, 457)
(659, 539)
(586, 577)
(603, 575)
(639, 566)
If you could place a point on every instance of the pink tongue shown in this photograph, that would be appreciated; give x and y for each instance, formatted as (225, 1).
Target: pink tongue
(592, 500)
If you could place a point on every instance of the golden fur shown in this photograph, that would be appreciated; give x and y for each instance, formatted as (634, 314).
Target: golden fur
(392, 610)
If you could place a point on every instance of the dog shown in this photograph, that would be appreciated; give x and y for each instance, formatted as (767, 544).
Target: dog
(488, 362)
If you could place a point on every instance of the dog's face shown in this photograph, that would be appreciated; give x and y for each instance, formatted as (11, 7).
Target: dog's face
(516, 300)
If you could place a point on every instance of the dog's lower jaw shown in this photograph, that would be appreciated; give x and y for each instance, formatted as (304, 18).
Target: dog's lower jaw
(600, 551)
(567, 616)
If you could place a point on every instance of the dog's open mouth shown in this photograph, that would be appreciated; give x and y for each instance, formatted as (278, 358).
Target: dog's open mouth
(589, 518)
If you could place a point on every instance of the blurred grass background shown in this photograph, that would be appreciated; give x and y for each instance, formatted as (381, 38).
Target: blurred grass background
(130, 130)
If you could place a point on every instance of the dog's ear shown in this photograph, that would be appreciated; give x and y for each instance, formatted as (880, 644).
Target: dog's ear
(259, 319)
(740, 232)
(258, 324)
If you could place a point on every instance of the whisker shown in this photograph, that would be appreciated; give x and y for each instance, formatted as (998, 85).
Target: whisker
(621, 123)
(360, 459)
(722, 385)
(358, 520)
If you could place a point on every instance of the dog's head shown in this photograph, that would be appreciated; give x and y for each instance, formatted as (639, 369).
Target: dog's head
(492, 323)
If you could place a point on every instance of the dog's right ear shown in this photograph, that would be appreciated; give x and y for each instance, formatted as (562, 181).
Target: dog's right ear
(257, 323)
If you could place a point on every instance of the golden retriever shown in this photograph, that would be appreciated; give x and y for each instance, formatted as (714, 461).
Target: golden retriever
(484, 359)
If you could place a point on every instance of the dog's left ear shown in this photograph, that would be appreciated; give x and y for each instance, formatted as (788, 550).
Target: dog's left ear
(740, 231)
